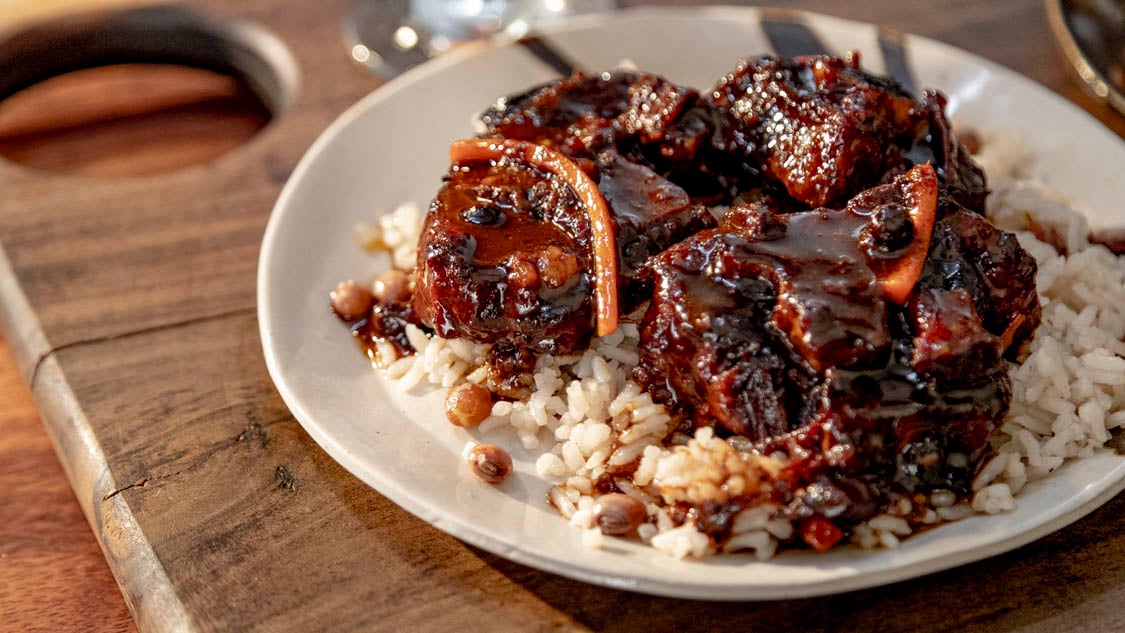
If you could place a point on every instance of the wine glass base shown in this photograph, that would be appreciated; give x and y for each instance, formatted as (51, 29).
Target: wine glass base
(386, 38)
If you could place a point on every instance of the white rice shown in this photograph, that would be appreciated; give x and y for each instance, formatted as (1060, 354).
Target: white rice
(586, 417)
(397, 231)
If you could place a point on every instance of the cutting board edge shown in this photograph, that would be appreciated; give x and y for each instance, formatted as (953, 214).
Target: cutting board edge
(138, 572)
(22, 330)
(140, 576)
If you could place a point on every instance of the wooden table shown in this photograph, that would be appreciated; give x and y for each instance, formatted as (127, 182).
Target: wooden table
(278, 532)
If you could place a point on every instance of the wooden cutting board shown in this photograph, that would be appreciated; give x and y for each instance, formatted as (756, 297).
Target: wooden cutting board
(130, 306)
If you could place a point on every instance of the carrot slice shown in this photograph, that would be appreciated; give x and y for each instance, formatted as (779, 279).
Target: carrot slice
(601, 224)
(921, 197)
(821, 534)
(1009, 334)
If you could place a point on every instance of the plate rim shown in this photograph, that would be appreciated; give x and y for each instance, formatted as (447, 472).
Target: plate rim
(464, 530)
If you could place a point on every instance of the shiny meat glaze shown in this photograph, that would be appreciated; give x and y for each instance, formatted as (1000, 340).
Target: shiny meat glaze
(584, 115)
(651, 213)
(644, 117)
(963, 181)
(505, 256)
(760, 306)
(823, 130)
(775, 327)
(968, 253)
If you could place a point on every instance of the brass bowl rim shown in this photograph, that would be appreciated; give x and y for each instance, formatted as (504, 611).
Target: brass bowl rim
(1093, 81)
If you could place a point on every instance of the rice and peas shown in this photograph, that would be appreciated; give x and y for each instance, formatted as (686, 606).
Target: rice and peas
(585, 416)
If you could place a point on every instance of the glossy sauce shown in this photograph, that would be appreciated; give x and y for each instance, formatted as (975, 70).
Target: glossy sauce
(506, 256)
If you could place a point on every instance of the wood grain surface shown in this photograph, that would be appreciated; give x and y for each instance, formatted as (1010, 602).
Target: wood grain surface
(52, 574)
(128, 120)
(129, 304)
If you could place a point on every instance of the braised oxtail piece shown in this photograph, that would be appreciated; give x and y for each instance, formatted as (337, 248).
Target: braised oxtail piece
(523, 247)
(963, 181)
(744, 318)
(861, 346)
(646, 118)
(650, 214)
(820, 130)
(971, 255)
(506, 256)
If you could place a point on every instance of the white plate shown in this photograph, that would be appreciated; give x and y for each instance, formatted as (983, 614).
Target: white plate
(393, 146)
